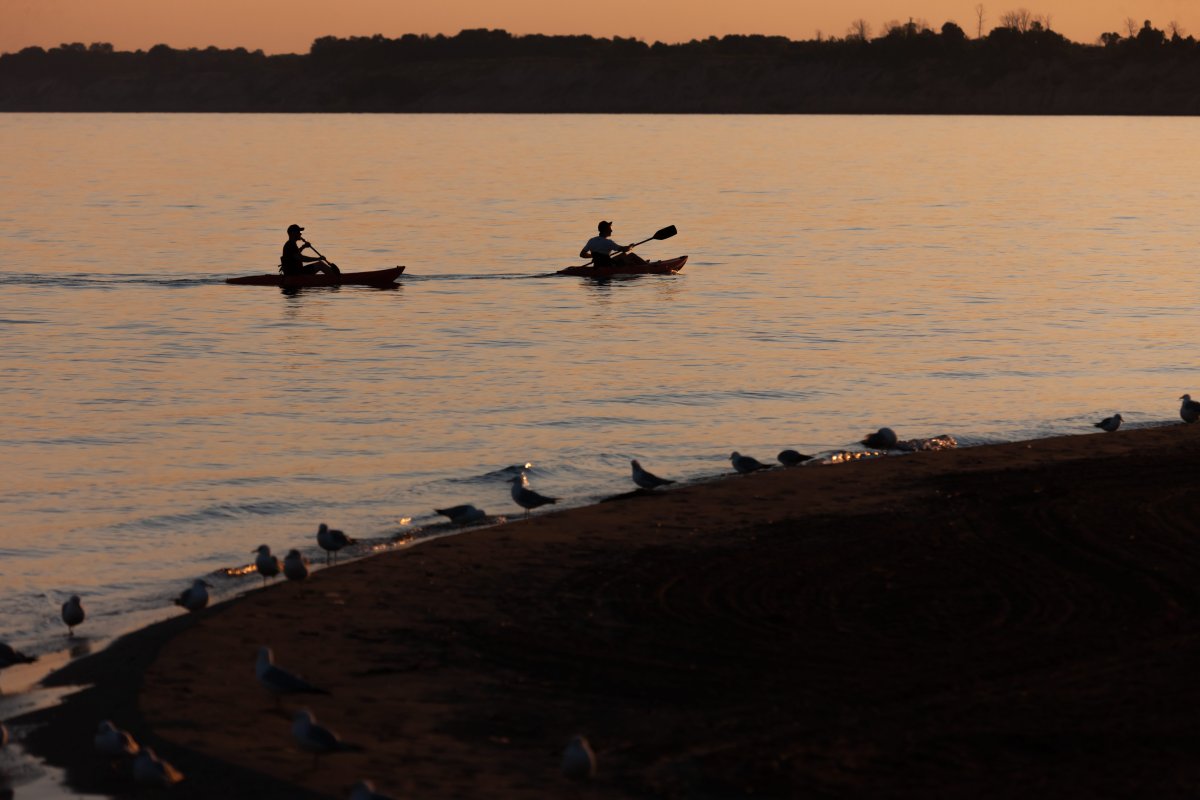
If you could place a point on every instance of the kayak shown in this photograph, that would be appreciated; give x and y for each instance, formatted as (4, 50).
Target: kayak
(380, 277)
(668, 267)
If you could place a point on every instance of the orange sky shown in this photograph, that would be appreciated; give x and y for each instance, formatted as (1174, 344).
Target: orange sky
(278, 26)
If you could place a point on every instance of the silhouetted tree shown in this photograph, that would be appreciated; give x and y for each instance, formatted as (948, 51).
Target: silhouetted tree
(1149, 37)
(952, 33)
(860, 30)
(1020, 20)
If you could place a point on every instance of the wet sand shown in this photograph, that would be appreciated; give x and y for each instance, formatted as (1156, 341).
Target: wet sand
(1002, 621)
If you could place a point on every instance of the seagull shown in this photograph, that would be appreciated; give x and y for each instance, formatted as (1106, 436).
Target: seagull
(295, 566)
(9, 656)
(1189, 411)
(331, 541)
(745, 464)
(882, 439)
(790, 458)
(278, 680)
(317, 739)
(72, 614)
(525, 497)
(150, 770)
(647, 480)
(1109, 424)
(113, 742)
(365, 790)
(267, 565)
(194, 598)
(579, 762)
(462, 514)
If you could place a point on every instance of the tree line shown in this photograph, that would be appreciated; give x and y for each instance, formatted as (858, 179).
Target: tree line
(1020, 66)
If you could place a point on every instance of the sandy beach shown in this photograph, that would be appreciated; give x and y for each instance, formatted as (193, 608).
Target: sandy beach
(1003, 621)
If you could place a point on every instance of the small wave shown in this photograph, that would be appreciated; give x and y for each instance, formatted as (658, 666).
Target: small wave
(223, 511)
(504, 473)
(594, 420)
(710, 398)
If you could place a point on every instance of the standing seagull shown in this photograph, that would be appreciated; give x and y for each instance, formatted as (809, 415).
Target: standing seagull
(1109, 424)
(647, 480)
(195, 597)
(316, 739)
(527, 498)
(150, 770)
(745, 464)
(267, 565)
(579, 762)
(278, 680)
(72, 614)
(331, 541)
(462, 514)
(365, 790)
(882, 439)
(113, 742)
(9, 656)
(295, 566)
(1189, 411)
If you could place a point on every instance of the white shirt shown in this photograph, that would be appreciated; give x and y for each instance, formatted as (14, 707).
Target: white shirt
(601, 244)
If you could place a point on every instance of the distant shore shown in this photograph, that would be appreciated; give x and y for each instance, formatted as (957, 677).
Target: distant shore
(1021, 67)
(1001, 621)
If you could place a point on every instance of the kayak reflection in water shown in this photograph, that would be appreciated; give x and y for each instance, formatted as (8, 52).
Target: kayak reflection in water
(294, 262)
(601, 248)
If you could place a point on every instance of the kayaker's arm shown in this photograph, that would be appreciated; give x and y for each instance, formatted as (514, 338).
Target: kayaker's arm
(585, 253)
(307, 259)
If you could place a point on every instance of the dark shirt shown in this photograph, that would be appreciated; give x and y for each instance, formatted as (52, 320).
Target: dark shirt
(290, 261)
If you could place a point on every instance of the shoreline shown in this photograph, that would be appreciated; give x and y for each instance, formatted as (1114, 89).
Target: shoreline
(990, 620)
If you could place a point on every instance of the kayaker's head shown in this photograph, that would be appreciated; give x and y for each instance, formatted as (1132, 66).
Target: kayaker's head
(605, 228)
(294, 231)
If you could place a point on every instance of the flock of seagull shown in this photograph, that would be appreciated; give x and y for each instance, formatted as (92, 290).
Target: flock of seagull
(579, 760)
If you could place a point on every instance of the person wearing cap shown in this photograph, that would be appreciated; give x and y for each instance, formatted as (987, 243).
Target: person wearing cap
(294, 262)
(601, 248)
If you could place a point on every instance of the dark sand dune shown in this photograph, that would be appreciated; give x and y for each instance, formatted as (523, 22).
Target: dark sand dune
(1011, 621)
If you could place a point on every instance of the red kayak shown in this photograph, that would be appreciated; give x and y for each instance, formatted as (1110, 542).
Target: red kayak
(668, 267)
(380, 277)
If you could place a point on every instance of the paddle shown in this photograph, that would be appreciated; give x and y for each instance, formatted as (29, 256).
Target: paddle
(659, 235)
(309, 245)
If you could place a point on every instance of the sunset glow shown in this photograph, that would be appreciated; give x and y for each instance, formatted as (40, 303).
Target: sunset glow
(276, 26)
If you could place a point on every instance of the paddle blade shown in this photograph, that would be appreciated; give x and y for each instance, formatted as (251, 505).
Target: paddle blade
(666, 233)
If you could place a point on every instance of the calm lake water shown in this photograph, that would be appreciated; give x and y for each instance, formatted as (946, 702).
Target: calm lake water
(991, 278)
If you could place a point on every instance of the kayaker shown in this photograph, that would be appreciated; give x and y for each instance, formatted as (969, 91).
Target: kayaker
(601, 248)
(294, 262)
